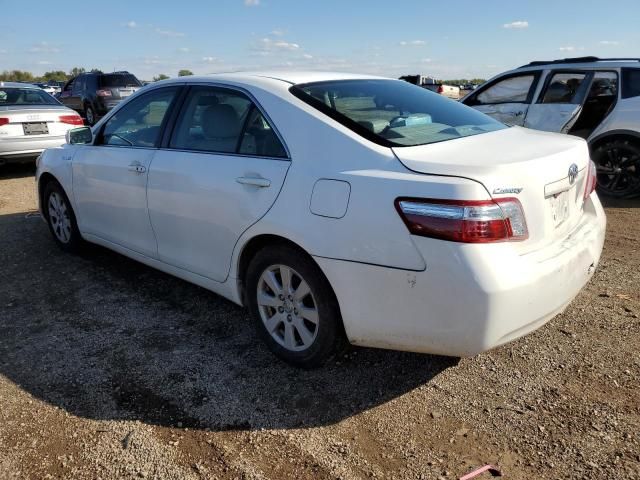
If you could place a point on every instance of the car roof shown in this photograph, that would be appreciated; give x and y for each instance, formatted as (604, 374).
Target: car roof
(290, 77)
(18, 85)
(581, 63)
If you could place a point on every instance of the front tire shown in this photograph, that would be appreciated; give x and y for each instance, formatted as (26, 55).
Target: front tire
(60, 218)
(618, 168)
(293, 307)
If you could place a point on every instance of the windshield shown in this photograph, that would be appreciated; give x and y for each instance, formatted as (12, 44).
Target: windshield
(119, 80)
(394, 113)
(11, 96)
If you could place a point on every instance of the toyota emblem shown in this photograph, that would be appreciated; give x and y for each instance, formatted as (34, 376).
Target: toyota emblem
(573, 173)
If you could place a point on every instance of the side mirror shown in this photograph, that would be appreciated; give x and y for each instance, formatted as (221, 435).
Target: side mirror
(79, 136)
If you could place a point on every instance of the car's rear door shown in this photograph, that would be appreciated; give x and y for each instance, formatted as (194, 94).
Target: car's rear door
(110, 176)
(74, 100)
(221, 171)
(559, 102)
(507, 99)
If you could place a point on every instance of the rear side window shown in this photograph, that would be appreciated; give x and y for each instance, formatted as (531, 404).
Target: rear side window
(509, 90)
(630, 82)
(138, 123)
(117, 80)
(563, 88)
(394, 113)
(219, 120)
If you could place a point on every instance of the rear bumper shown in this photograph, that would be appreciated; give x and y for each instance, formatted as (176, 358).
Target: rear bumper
(470, 298)
(27, 148)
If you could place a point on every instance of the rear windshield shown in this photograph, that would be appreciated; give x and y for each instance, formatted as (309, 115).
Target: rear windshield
(119, 80)
(394, 113)
(11, 96)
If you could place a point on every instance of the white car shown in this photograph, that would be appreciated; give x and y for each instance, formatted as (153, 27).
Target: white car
(31, 121)
(336, 206)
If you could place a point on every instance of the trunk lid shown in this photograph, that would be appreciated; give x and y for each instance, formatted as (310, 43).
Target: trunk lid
(33, 121)
(504, 161)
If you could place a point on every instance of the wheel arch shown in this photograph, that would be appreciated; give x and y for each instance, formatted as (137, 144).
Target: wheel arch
(252, 247)
(613, 135)
(45, 179)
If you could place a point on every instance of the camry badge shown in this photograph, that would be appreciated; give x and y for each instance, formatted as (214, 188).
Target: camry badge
(573, 173)
(499, 191)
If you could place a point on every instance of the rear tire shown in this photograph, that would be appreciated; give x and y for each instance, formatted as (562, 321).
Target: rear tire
(90, 115)
(293, 307)
(60, 218)
(618, 168)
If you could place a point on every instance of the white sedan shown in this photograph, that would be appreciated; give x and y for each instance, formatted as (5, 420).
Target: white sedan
(31, 120)
(336, 207)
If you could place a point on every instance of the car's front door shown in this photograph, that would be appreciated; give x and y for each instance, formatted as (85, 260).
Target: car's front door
(220, 172)
(559, 102)
(506, 99)
(110, 176)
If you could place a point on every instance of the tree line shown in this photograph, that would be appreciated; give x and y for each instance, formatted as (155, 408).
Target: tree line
(62, 76)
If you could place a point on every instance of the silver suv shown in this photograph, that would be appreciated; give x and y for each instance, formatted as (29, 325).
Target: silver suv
(596, 99)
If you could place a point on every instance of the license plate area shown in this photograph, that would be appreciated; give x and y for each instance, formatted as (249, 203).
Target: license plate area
(559, 204)
(35, 128)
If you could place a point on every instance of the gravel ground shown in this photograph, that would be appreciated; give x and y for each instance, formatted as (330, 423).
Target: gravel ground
(109, 369)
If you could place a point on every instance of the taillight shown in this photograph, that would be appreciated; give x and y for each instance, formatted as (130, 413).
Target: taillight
(467, 221)
(71, 119)
(103, 93)
(592, 180)
(4, 121)
(440, 89)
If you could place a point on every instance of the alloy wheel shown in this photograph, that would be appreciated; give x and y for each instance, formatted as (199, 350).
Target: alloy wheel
(90, 116)
(59, 217)
(618, 170)
(287, 307)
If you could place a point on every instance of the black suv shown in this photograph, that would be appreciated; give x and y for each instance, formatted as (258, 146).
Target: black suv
(93, 94)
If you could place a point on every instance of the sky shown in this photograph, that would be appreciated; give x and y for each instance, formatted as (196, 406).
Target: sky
(444, 39)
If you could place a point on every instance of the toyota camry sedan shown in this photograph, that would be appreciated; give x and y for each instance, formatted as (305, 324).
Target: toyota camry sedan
(336, 208)
(31, 120)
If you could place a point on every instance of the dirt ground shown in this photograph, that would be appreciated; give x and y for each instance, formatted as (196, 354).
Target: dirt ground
(110, 369)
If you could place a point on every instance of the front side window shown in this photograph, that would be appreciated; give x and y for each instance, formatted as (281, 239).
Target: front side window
(394, 113)
(509, 90)
(10, 96)
(78, 85)
(218, 120)
(564, 88)
(138, 123)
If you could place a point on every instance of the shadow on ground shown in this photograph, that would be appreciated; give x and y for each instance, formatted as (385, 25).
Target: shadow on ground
(18, 170)
(105, 337)
(610, 202)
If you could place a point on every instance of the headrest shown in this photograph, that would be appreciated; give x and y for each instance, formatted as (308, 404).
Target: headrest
(220, 121)
(206, 100)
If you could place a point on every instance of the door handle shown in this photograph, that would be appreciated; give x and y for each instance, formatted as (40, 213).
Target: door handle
(254, 181)
(137, 167)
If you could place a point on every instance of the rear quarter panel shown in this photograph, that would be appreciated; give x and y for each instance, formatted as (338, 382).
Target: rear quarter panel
(371, 231)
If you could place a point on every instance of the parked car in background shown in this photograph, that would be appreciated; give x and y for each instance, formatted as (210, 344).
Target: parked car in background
(430, 83)
(596, 99)
(50, 89)
(94, 94)
(30, 121)
(439, 241)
